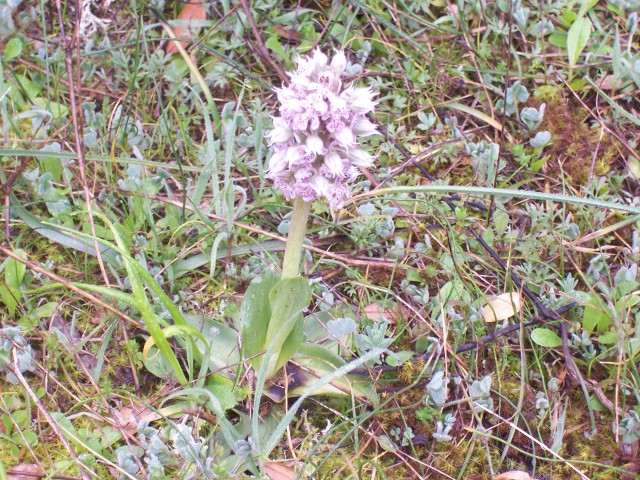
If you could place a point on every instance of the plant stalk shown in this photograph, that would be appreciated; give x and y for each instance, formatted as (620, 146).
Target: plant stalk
(297, 229)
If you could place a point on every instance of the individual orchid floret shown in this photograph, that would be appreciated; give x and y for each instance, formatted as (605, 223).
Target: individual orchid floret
(315, 139)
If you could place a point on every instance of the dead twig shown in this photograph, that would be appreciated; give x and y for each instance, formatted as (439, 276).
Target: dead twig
(546, 313)
(63, 281)
(85, 471)
(68, 44)
(262, 49)
(481, 342)
(6, 190)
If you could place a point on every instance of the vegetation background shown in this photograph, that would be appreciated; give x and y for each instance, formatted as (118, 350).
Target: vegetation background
(492, 251)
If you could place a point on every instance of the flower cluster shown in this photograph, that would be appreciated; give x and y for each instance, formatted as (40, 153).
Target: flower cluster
(315, 138)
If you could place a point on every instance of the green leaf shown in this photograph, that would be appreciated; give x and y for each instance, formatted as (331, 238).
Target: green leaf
(11, 292)
(13, 49)
(274, 45)
(222, 342)
(597, 404)
(558, 39)
(56, 109)
(539, 163)
(567, 17)
(453, 292)
(500, 222)
(54, 167)
(608, 338)
(255, 314)
(222, 388)
(596, 316)
(32, 89)
(157, 364)
(617, 9)
(14, 271)
(108, 436)
(398, 358)
(577, 38)
(291, 344)
(287, 300)
(586, 7)
(46, 311)
(317, 361)
(546, 338)
(9, 299)
(422, 344)
(413, 275)
(31, 438)
(616, 62)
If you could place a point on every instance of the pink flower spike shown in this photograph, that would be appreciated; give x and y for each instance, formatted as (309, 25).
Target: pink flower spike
(315, 141)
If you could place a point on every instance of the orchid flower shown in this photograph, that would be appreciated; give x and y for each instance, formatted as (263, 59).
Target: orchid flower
(315, 140)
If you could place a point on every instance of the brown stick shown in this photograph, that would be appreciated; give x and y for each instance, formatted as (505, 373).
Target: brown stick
(67, 44)
(354, 262)
(6, 189)
(85, 471)
(262, 50)
(37, 268)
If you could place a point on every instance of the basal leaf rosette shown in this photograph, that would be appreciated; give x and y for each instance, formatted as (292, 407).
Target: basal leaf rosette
(316, 138)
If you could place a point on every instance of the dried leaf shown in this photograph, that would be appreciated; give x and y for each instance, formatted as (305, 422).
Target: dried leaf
(377, 312)
(609, 82)
(25, 471)
(192, 10)
(514, 475)
(287, 33)
(131, 416)
(279, 471)
(502, 307)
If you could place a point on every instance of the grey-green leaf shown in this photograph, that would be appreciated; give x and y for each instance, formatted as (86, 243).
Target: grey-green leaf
(340, 328)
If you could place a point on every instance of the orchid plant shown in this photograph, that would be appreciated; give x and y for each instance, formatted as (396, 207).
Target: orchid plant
(316, 154)
(315, 141)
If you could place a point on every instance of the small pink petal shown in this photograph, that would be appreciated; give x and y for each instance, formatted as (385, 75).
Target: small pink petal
(364, 128)
(360, 158)
(338, 62)
(345, 137)
(334, 163)
(315, 145)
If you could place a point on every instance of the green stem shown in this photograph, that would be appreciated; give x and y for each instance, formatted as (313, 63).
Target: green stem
(297, 229)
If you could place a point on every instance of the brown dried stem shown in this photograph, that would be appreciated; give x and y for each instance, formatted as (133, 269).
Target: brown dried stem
(68, 44)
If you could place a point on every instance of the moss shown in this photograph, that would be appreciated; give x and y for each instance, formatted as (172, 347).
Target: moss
(575, 143)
